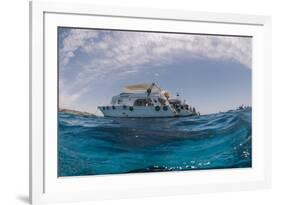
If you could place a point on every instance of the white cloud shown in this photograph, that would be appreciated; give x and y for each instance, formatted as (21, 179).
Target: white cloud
(136, 48)
(76, 39)
(67, 99)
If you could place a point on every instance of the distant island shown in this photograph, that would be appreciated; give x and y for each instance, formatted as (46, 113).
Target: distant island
(76, 112)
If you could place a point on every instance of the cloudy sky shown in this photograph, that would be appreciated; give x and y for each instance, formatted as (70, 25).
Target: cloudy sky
(213, 73)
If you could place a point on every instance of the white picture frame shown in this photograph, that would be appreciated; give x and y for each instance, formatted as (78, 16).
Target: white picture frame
(46, 187)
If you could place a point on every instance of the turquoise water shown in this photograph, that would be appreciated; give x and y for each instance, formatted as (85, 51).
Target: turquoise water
(90, 145)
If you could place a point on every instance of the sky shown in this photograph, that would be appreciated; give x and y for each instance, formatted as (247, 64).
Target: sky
(211, 72)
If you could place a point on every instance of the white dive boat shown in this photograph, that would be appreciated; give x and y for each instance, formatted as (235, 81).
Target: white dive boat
(146, 100)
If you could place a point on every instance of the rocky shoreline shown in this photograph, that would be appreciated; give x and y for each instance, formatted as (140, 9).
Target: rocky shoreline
(76, 112)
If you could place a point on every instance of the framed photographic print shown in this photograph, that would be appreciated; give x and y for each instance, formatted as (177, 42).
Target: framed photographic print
(129, 102)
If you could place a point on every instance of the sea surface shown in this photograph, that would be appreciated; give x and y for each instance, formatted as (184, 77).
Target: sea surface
(90, 145)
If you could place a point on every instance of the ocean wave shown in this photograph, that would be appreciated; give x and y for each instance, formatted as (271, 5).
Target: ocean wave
(126, 145)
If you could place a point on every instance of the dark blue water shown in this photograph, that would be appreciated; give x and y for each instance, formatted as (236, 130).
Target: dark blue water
(91, 145)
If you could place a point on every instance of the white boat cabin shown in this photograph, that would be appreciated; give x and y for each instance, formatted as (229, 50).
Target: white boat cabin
(146, 100)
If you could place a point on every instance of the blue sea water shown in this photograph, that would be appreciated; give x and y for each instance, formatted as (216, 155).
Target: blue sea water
(90, 145)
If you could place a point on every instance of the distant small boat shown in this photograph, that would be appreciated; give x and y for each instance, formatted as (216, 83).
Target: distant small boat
(243, 107)
(146, 100)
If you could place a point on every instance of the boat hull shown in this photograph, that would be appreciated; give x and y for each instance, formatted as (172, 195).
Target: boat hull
(142, 112)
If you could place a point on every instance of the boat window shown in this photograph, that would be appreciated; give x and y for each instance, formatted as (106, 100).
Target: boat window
(143, 102)
(174, 101)
(119, 101)
(161, 101)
